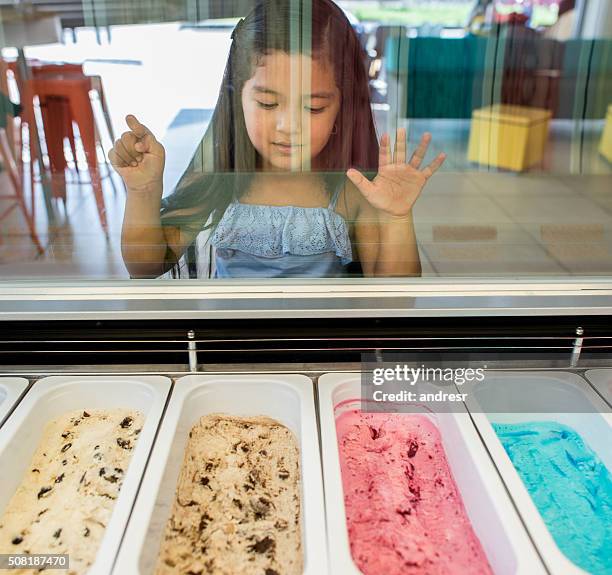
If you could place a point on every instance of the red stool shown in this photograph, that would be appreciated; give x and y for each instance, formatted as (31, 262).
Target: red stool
(60, 106)
(37, 68)
(58, 114)
(74, 90)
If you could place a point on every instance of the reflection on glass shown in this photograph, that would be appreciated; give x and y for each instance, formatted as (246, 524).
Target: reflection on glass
(293, 115)
(299, 139)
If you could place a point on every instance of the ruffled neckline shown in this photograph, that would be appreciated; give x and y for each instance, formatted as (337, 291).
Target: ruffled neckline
(272, 231)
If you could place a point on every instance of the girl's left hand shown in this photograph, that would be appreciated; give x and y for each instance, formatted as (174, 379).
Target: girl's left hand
(398, 184)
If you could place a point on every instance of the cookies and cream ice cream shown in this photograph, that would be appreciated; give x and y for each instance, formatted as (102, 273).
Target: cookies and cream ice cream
(237, 502)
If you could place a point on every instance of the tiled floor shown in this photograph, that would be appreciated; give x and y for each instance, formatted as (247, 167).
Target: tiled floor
(555, 220)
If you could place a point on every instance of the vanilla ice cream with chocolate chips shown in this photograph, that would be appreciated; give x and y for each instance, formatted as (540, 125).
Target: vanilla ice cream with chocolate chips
(67, 495)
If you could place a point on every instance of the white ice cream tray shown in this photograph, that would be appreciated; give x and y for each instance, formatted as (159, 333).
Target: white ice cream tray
(289, 399)
(493, 517)
(51, 397)
(11, 391)
(601, 380)
(519, 397)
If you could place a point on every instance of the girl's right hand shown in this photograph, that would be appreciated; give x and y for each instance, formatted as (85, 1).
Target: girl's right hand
(138, 157)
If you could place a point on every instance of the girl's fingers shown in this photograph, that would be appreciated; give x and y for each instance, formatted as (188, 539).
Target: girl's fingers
(147, 143)
(384, 154)
(361, 182)
(129, 140)
(400, 146)
(419, 153)
(122, 154)
(433, 167)
(144, 138)
(125, 153)
(115, 160)
(144, 145)
(133, 124)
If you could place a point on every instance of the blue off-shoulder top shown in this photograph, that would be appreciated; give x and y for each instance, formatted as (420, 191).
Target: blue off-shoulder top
(253, 240)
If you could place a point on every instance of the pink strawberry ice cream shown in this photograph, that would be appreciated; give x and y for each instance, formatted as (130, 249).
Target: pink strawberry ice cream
(404, 512)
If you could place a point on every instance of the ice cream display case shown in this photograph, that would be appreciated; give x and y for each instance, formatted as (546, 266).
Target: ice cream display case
(229, 428)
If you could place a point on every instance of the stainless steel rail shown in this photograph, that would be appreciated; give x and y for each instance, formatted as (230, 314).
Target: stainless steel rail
(392, 297)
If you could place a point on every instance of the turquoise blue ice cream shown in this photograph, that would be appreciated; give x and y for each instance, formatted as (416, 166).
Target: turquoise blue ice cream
(569, 485)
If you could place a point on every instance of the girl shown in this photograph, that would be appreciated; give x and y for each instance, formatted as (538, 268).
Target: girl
(290, 139)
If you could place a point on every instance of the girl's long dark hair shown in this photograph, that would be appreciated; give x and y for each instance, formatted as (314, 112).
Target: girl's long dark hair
(313, 27)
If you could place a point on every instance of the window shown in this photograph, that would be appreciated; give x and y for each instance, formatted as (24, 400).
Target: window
(262, 139)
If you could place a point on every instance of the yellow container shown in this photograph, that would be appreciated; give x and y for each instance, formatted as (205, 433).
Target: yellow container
(510, 137)
(605, 146)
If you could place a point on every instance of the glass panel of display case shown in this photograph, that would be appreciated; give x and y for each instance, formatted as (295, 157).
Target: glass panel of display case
(259, 139)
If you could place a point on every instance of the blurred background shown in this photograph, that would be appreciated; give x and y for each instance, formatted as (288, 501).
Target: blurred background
(518, 93)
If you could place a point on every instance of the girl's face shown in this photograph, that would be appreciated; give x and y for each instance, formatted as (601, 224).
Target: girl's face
(290, 106)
